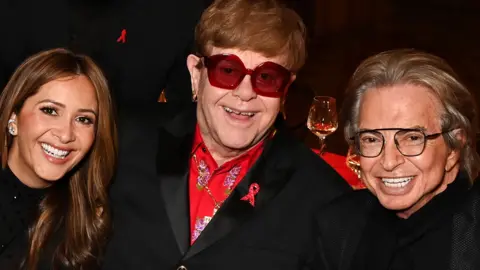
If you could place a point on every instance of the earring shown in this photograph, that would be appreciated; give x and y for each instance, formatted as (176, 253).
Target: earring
(11, 128)
(194, 96)
(162, 98)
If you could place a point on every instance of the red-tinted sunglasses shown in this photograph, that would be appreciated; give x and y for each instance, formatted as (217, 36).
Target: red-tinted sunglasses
(227, 71)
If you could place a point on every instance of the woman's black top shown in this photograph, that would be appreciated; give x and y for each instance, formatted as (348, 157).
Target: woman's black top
(18, 209)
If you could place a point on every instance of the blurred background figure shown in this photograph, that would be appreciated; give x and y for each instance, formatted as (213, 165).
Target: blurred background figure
(141, 45)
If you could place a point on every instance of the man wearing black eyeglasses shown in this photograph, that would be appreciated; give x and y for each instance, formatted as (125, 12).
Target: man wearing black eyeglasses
(413, 126)
(410, 142)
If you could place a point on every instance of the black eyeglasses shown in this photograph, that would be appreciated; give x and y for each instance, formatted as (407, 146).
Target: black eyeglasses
(409, 142)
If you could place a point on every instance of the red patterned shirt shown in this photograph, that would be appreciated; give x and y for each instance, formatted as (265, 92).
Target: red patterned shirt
(220, 181)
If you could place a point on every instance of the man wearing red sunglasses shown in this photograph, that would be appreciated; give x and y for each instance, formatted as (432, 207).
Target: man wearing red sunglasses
(221, 184)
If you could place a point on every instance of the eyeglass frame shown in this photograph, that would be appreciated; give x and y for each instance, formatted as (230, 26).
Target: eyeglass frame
(426, 138)
(282, 91)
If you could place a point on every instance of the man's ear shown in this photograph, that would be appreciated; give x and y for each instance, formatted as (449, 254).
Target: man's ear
(192, 65)
(454, 156)
(284, 97)
(292, 79)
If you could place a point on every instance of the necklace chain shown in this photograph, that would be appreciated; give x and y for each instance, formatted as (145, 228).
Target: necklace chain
(216, 203)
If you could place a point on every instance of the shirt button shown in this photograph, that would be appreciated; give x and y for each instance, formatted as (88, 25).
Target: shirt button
(181, 267)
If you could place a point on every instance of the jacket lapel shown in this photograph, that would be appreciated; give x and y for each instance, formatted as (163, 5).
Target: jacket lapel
(175, 144)
(271, 172)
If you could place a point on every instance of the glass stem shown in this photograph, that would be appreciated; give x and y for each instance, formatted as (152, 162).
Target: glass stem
(322, 144)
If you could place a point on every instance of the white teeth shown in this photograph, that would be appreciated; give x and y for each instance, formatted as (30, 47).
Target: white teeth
(397, 182)
(229, 110)
(54, 152)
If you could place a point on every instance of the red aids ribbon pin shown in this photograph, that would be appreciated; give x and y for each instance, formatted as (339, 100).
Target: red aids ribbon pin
(123, 36)
(252, 191)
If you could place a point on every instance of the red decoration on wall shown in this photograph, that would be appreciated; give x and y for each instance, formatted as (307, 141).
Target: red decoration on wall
(123, 36)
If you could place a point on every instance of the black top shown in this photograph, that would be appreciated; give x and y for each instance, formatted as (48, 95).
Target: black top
(18, 208)
(423, 241)
(356, 232)
(429, 229)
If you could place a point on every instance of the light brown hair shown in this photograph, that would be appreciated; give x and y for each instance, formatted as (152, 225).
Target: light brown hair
(408, 66)
(79, 206)
(262, 26)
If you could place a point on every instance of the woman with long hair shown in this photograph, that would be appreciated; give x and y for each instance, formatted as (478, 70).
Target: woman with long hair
(59, 154)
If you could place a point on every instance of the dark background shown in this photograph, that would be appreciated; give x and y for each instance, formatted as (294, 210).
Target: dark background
(344, 32)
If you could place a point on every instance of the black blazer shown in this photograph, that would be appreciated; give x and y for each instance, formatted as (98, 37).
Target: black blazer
(159, 37)
(151, 208)
(349, 220)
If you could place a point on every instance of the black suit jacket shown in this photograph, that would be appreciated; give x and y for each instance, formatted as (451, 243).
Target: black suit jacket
(159, 37)
(350, 219)
(151, 207)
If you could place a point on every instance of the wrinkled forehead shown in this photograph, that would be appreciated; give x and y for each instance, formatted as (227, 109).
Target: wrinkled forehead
(399, 106)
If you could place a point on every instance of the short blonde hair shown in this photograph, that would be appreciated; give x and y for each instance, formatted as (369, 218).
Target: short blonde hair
(262, 26)
(408, 66)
